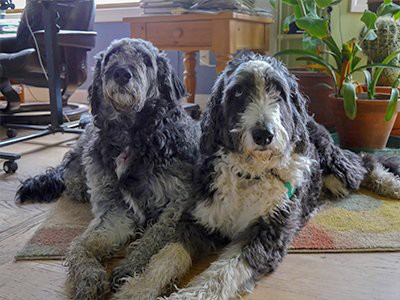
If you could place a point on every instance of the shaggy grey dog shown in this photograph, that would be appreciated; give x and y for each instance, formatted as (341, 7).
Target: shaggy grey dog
(133, 162)
(265, 168)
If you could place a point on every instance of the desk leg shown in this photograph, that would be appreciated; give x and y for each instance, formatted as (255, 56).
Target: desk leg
(222, 60)
(189, 75)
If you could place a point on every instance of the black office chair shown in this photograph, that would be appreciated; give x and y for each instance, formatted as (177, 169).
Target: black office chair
(54, 58)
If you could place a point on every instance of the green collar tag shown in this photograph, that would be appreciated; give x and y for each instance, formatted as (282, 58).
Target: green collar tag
(290, 189)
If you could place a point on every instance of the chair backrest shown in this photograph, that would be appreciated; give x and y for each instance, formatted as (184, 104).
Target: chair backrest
(73, 15)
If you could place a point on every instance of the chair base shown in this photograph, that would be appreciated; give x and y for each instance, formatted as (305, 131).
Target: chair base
(10, 166)
(39, 113)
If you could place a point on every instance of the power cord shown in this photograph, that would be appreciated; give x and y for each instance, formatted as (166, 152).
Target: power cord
(36, 45)
(40, 59)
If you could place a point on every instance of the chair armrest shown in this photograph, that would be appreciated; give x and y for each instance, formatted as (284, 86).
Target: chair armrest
(71, 38)
(8, 44)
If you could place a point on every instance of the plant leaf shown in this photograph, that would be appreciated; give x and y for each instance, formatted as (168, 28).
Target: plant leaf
(370, 35)
(396, 16)
(347, 49)
(330, 42)
(314, 26)
(368, 80)
(273, 3)
(388, 9)
(290, 2)
(297, 11)
(369, 19)
(381, 67)
(349, 100)
(311, 7)
(323, 3)
(355, 62)
(311, 44)
(324, 86)
(286, 22)
(391, 109)
(309, 56)
(330, 70)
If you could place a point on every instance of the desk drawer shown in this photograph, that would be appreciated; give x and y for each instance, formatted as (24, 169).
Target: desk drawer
(189, 34)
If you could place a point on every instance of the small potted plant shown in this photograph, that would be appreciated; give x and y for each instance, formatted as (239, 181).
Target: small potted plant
(363, 120)
(317, 94)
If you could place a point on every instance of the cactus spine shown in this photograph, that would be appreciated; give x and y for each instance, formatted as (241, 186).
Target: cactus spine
(387, 41)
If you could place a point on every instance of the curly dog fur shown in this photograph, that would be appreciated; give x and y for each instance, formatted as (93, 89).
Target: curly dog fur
(265, 168)
(133, 162)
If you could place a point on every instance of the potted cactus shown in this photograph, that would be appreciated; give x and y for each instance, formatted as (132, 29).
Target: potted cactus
(386, 42)
(363, 120)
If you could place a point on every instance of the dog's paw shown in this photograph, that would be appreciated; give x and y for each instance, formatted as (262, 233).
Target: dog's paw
(335, 186)
(120, 274)
(92, 286)
(135, 288)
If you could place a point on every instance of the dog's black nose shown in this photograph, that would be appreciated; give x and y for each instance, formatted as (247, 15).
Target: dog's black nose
(263, 136)
(122, 75)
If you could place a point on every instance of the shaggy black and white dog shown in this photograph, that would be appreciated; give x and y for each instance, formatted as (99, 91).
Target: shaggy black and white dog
(133, 162)
(265, 168)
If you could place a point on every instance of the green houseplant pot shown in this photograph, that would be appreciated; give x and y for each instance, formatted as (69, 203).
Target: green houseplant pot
(368, 130)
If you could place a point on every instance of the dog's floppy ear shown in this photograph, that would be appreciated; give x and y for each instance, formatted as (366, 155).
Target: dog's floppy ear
(212, 123)
(177, 85)
(300, 116)
(170, 86)
(95, 90)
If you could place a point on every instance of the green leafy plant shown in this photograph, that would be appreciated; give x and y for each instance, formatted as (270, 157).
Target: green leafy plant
(343, 62)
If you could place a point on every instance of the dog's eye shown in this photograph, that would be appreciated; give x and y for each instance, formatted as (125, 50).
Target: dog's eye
(238, 92)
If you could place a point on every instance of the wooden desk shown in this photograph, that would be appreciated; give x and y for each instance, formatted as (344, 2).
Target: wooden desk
(222, 33)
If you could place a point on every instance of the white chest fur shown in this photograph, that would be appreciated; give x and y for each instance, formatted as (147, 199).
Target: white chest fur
(238, 201)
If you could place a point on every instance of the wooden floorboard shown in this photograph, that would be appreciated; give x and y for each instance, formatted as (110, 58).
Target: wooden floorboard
(300, 276)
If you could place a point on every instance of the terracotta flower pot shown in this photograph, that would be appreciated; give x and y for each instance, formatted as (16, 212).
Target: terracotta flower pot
(312, 85)
(368, 130)
(387, 90)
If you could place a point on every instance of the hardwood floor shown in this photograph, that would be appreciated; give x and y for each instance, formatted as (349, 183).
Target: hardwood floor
(300, 276)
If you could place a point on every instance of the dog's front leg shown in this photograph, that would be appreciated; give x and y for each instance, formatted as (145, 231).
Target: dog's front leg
(228, 275)
(165, 268)
(258, 251)
(105, 235)
(141, 251)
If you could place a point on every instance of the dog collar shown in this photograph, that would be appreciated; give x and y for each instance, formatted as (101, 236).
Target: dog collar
(290, 189)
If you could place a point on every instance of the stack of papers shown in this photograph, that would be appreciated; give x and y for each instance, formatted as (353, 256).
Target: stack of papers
(151, 7)
(164, 6)
(225, 4)
(244, 6)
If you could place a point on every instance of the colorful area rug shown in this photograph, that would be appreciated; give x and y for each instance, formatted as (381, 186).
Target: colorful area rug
(363, 222)
(66, 220)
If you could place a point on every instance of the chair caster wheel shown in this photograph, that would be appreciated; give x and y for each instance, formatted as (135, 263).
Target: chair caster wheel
(85, 119)
(195, 113)
(11, 133)
(10, 166)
